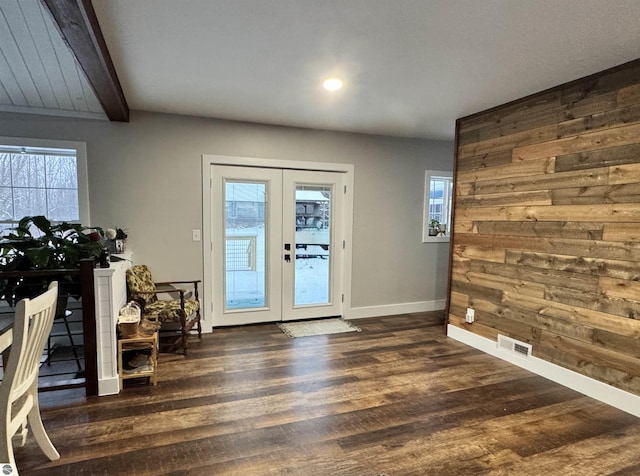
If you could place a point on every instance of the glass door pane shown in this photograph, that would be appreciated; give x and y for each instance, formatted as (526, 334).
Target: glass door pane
(312, 245)
(245, 244)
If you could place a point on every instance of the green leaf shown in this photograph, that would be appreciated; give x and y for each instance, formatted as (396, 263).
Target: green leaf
(42, 223)
(38, 256)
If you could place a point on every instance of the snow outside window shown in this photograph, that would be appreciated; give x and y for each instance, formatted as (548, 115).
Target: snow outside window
(438, 190)
(42, 178)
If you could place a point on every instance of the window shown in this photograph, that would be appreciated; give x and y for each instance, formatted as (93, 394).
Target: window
(438, 191)
(39, 177)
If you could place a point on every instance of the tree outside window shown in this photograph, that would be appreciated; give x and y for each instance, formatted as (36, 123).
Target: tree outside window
(38, 178)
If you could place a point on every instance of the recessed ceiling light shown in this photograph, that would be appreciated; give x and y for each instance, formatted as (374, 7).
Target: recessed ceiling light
(332, 84)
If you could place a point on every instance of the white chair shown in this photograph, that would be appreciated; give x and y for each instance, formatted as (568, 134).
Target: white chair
(19, 388)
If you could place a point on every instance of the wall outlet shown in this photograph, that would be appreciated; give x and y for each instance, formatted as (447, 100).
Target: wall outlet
(195, 235)
(471, 314)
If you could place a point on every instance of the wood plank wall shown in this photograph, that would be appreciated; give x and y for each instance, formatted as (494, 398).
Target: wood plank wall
(546, 243)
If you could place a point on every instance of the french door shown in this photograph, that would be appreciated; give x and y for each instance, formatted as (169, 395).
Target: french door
(277, 244)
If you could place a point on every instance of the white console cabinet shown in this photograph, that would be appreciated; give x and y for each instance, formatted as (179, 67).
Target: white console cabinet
(110, 289)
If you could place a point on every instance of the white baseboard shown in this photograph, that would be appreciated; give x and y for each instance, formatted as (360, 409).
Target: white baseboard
(393, 309)
(376, 311)
(108, 386)
(603, 392)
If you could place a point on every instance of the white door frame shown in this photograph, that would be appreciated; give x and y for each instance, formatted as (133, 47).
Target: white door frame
(209, 160)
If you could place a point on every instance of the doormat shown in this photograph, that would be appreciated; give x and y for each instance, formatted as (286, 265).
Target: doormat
(317, 327)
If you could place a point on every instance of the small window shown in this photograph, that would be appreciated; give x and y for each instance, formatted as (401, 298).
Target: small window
(438, 190)
(40, 177)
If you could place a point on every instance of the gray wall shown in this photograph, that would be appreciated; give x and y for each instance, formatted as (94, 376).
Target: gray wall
(145, 176)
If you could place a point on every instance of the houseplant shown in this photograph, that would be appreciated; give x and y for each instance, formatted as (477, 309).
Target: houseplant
(37, 244)
(434, 227)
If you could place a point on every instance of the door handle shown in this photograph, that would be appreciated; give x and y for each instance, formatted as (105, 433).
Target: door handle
(287, 258)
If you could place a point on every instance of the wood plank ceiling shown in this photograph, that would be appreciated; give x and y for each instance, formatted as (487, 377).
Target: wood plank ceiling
(53, 60)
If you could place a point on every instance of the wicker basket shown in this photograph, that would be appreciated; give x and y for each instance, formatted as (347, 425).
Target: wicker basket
(128, 329)
(129, 320)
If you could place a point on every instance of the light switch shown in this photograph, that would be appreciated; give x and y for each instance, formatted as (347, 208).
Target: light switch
(195, 235)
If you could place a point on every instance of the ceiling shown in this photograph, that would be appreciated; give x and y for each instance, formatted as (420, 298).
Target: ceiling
(410, 67)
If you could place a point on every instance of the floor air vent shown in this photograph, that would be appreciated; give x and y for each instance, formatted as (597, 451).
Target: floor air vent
(514, 346)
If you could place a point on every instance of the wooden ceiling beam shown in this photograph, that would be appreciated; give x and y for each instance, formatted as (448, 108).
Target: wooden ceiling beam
(79, 27)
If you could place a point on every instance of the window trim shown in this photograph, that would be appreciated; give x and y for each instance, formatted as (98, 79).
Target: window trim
(428, 174)
(81, 159)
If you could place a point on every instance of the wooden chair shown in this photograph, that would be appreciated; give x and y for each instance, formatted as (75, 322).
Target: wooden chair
(19, 388)
(177, 315)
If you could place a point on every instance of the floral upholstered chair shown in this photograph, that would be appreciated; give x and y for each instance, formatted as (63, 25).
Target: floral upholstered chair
(176, 314)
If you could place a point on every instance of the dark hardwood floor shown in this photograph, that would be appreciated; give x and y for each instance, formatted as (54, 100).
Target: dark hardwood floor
(398, 398)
